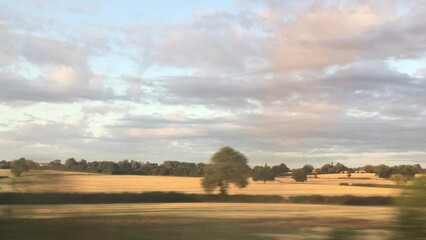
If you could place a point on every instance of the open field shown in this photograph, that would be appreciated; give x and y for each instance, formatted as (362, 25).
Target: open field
(191, 221)
(195, 220)
(203, 210)
(58, 181)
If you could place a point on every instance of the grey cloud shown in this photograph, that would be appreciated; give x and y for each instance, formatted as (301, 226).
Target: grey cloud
(304, 112)
(212, 91)
(16, 88)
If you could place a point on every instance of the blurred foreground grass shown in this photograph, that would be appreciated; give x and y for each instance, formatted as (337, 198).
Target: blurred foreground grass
(173, 228)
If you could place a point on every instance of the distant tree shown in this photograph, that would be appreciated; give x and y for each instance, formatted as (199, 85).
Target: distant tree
(134, 165)
(326, 168)
(280, 170)
(263, 174)
(408, 171)
(227, 166)
(369, 168)
(55, 165)
(339, 168)
(200, 169)
(82, 165)
(383, 171)
(349, 174)
(299, 175)
(308, 169)
(17, 167)
(31, 164)
(70, 164)
(4, 164)
(124, 167)
(418, 168)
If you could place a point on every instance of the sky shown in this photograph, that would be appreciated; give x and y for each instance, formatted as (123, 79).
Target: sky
(290, 82)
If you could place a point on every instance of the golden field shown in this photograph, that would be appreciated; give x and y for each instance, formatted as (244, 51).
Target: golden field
(59, 181)
(194, 220)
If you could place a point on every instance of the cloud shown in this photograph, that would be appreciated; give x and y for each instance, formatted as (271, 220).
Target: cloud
(215, 40)
(60, 88)
(41, 67)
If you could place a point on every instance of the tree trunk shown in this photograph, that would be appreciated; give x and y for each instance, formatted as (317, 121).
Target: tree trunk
(222, 188)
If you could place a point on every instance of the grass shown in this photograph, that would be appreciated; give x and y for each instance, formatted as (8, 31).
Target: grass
(125, 228)
(284, 211)
(190, 221)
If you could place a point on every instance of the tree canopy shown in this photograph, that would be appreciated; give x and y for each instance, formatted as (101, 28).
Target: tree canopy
(299, 175)
(227, 166)
(17, 167)
(308, 169)
(280, 170)
(263, 173)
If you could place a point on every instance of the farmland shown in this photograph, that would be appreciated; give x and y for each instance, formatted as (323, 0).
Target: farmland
(59, 181)
(192, 221)
(195, 220)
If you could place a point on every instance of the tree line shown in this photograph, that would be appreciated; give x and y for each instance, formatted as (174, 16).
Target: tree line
(125, 167)
(175, 168)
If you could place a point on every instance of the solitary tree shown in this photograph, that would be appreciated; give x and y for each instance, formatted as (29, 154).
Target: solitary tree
(17, 167)
(263, 174)
(299, 175)
(227, 166)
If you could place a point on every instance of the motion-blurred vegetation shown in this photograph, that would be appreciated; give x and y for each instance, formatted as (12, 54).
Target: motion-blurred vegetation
(411, 219)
